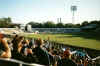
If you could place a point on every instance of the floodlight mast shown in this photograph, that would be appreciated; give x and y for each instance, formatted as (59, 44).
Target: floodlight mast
(73, 9)
(73, 17)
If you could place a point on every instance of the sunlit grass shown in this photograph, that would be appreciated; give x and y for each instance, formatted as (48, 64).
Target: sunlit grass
(70, 39)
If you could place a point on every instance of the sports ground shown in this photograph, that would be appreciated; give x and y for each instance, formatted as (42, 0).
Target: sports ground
(79, 40)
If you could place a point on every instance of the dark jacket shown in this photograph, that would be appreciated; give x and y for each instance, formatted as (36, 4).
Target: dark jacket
(42, 56)
(66, 62)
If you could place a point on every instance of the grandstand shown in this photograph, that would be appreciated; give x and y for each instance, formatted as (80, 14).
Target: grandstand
(57, 30)
(75, 50)
(10, 30)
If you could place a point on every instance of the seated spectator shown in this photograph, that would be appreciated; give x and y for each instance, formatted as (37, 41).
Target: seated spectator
(19, 49)
(14, 38)
(56, 57)
(66, 61)
(26, 49)
(31, 43)
(17, 46)
(42, 55)
(80, 62)
(5, 51)
(68, 52)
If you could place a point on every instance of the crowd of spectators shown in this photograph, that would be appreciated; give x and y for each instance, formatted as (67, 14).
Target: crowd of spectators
(39, 51)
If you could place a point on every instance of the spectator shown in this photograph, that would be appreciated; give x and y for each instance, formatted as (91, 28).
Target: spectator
(14, 39)
(17, 46)
(31, 43)
(26, 49)
(56, 57)
(80, 63)
(68, 52)
(42, 55)
(66, 61)
(5, 51)
(25, 44)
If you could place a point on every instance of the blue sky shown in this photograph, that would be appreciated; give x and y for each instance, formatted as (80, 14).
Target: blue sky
(23, 11)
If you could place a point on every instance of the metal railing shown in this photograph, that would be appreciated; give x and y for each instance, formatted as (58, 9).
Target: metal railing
(13, 62)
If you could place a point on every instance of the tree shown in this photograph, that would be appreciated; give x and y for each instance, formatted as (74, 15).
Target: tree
(9, 20)
(85, 23)
(95, 22)
(77, 25)
(34, 24)
(70, 25)
(59, 25)
(49, 24)
(66, 26)
(5, 22)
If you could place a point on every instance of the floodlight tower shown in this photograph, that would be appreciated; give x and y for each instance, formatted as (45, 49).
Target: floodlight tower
(73, 9)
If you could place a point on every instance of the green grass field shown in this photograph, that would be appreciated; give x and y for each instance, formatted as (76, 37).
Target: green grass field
(81, 40)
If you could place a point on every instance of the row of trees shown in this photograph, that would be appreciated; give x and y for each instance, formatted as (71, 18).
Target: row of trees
(85, 23)
(7, 23)
(50, 24)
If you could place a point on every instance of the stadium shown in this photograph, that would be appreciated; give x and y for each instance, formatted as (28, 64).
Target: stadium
(50, 33)
(59, 39)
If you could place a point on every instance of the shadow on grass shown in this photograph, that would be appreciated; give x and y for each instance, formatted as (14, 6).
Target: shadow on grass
(87, 35)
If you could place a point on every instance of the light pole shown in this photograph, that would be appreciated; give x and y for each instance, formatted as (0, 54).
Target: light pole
(73, 9)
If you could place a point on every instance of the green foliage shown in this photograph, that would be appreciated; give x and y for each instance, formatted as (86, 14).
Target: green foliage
(60, 25)
(85, 23)
(77, 25)
(49, 24)
(5, 22)
(35, 24)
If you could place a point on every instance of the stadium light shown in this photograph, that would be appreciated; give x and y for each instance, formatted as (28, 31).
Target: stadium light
(73, 9)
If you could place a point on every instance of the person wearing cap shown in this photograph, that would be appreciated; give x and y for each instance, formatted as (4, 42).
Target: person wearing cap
(5, 51)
